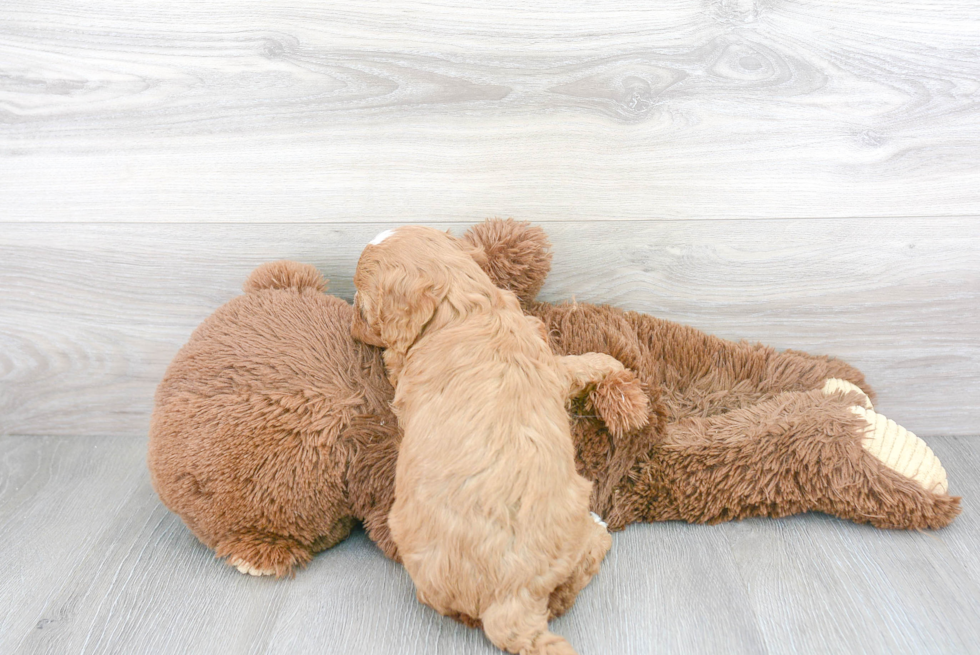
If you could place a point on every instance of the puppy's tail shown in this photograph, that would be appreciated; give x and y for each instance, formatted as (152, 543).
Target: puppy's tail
(518, 625)
(285, 275)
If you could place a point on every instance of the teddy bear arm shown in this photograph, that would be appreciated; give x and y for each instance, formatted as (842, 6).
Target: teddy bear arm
(372, 452)
(703, 375)
(833, 368)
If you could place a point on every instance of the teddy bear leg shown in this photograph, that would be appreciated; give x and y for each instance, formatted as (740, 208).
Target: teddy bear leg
(893, 445)
(262, 553)
(796, 452)
(830, 367)
(516, 255)
(563, 597)
(901, 451)
(259, 553)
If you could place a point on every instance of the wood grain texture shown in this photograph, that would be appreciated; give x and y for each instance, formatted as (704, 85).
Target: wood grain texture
(92, 563)
(966, 457)
(243, 110)
(56, 498)
(909, 594)
(90, 315)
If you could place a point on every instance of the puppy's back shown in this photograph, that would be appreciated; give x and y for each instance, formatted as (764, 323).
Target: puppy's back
(486, 469)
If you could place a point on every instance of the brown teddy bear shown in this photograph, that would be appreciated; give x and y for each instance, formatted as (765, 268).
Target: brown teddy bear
(272, 432)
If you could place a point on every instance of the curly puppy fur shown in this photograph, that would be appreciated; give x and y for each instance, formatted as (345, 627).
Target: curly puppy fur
(490, 516)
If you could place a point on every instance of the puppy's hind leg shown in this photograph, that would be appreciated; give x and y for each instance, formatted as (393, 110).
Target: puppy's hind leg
(563, 597)
(519, 624)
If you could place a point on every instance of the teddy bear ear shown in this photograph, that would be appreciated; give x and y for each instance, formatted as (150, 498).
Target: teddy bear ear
(517, 254)
(285, 275)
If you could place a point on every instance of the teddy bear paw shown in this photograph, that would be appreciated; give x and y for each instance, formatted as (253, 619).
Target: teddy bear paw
(902, 451)
(248, 569)
(836, 385)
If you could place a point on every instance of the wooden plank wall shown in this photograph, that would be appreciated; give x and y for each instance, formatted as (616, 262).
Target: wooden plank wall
(805, 174)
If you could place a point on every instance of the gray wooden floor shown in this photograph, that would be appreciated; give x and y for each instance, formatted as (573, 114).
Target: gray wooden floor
(91, 562)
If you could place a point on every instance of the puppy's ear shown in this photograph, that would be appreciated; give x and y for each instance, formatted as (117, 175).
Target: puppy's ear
(404, 307)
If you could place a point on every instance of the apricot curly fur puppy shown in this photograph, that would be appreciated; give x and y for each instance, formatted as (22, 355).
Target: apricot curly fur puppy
(490, 515)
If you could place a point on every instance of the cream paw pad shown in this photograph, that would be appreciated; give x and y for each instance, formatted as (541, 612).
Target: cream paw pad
(893, 445)
(248, 569)
(902, 451)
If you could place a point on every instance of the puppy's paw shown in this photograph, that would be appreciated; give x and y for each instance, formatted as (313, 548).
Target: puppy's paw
(621, 403)
(598, 519)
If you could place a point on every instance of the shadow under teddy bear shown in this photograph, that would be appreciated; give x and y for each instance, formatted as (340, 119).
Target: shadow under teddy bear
(272, 432)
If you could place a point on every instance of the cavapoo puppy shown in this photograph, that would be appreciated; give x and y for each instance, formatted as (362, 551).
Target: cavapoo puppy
(490, 516)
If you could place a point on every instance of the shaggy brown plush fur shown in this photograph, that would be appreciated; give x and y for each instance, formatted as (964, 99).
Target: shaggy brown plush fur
(272, 433)
(246, 437)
